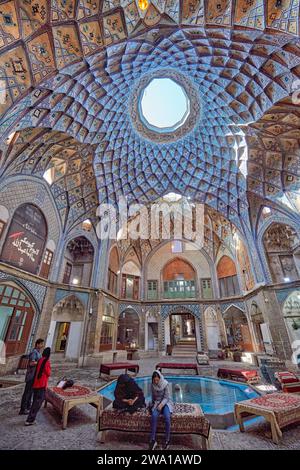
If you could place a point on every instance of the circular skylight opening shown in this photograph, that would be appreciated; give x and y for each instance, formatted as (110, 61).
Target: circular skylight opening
(164, 105)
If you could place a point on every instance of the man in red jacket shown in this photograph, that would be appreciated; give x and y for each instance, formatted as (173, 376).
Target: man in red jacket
(40, 383)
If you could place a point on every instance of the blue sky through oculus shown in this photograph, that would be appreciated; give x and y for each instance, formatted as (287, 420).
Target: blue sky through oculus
(164, 103)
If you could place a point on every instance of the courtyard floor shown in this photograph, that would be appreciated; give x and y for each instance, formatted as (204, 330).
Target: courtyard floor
(81, 431)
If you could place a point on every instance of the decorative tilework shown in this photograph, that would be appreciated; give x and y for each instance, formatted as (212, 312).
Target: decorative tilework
(282, 294)
(132, 16)
(250, 14)
(135, 307)
(34, 14)
(91, 38)
(14, 76)
(113, 28)
(9, 25)
(219, 12)
(193, 12)
(67, 45)
(37, 291)
(62, 294)
(62, 10)
(87, 8)
(283, 15)
(227, 305)
(41, 57)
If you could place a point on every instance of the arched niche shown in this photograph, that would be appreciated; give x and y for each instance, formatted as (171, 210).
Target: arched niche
(227, 277)
(66, 327)
(237, 329)
(281, 244)
(108, 329)
(128, 329)
(131, 276)
(113, 271)
(78, 262)
(213, 331)
(178, 279)
(291, 314)
(257, 321)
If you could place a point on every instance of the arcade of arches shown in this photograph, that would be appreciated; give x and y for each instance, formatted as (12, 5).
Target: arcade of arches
(75, 132)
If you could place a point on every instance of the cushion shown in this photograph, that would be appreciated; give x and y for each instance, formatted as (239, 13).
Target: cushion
(291, 388)
(286, 377)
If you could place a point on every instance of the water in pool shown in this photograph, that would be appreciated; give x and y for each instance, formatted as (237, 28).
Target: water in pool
(214, 396)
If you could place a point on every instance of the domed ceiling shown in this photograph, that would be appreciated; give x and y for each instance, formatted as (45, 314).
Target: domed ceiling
(76, 67)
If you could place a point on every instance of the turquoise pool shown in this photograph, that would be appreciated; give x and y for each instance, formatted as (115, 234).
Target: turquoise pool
(213, 395)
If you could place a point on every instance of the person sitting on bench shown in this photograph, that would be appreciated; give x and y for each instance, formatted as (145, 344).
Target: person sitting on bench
(161, 403)
(128, 395)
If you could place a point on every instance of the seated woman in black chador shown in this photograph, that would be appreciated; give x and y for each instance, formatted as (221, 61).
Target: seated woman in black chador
(128, 395)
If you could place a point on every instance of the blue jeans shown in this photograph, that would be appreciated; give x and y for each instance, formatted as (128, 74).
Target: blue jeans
(154, 418)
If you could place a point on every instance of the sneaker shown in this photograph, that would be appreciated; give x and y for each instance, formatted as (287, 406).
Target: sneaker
(27, 423)
(152, 445)
(25, 412)
(167, 445)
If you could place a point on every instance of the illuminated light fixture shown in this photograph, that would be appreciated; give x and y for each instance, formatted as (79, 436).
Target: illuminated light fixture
(87, 225)
(10, 138)
(143, 4)
(266, 210)
(286, 279)
(48, 175)
(75, 281)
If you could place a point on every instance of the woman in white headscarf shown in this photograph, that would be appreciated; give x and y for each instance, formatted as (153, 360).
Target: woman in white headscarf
(161, 404)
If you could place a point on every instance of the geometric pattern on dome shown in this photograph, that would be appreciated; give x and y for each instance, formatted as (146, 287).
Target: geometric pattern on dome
(33, 151)
(191, 115)
(37, 39)
(273, 156)
(239, 75)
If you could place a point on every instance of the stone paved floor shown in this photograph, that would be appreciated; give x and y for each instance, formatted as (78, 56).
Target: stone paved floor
(81, 431)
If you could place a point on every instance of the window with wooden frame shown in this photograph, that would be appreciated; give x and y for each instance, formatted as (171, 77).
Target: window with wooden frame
(67, 273)
(152, 290)
(130, 287)
(112, 284)
(16, 317)
(206, 289)
(46, 265)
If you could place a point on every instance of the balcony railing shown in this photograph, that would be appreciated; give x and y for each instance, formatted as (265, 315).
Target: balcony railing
(179, 290)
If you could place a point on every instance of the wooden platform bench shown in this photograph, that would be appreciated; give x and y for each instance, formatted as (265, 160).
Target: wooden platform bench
(64, 400)
(239, 375)
(126, 366)
(279, 409)
(186, 419)
(177, 365)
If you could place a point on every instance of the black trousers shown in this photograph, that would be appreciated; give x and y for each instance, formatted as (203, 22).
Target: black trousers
(38, 398)
(26, 397)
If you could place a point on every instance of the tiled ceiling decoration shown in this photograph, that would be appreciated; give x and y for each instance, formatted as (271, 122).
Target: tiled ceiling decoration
(54, 34)
(273, 156)
(71, 67)
(34, 151)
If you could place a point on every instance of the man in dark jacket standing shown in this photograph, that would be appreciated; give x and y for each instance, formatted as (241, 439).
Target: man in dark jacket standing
(34, 357)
